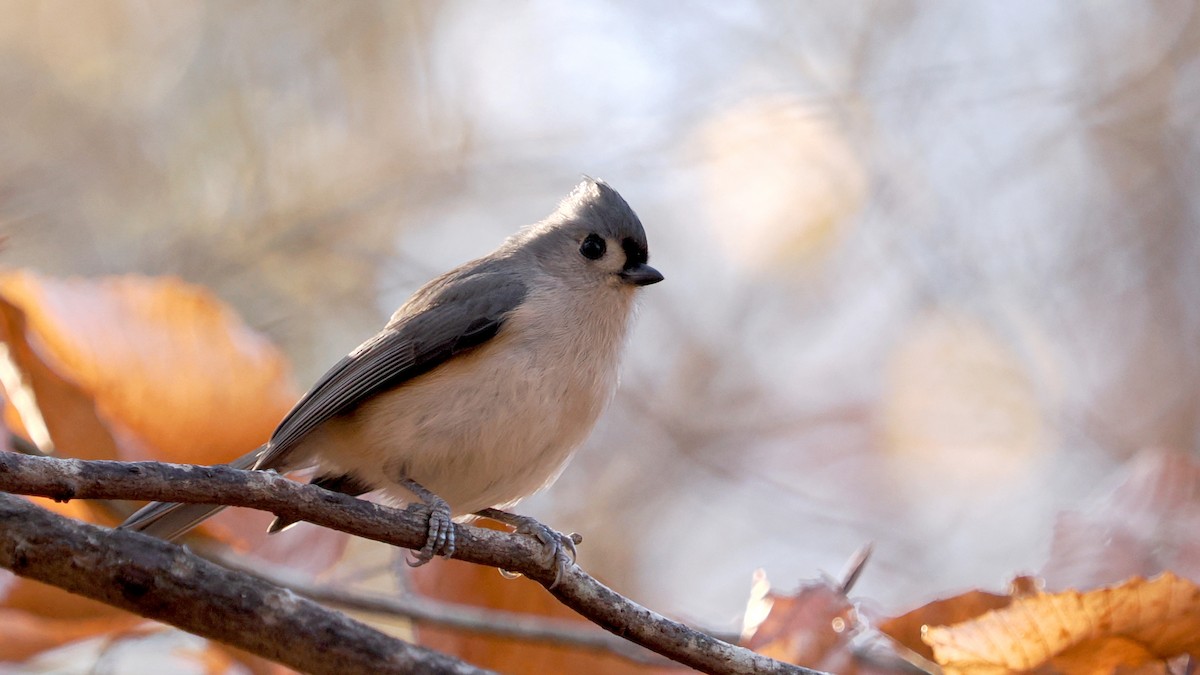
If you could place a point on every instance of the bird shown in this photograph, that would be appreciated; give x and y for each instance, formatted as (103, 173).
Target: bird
(477, 391)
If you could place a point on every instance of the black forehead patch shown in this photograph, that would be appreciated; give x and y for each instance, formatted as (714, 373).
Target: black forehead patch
(635, 252)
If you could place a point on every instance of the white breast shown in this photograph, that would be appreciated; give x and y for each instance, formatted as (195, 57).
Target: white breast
(494, 425)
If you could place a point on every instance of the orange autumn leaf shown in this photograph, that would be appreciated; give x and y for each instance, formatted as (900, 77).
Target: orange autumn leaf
(165, 363)
(26, 634)
(1120, 626)
(42, 404)
(801, 628)
(51, 602)
(816, 627)
(907, 629)
(131, 368)
(150, 368)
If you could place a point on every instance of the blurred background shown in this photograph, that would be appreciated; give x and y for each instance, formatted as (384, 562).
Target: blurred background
(933, 269)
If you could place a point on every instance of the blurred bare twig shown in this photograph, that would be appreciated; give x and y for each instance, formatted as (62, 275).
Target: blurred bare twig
(449, 615)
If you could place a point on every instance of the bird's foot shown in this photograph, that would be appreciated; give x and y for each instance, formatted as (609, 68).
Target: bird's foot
(558, 548)
(439, 539)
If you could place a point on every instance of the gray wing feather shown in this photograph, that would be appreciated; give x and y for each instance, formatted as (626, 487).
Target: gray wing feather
(449, 316)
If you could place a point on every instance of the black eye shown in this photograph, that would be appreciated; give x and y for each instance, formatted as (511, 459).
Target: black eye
(592, 247)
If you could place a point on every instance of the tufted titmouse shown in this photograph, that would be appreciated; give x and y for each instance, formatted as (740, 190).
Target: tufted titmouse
(480, 386)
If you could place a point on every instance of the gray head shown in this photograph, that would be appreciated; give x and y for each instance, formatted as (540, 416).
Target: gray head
(592, 237)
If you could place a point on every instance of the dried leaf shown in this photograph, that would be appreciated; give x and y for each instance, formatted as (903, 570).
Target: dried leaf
(130, 368)
(137, 368)
(814, 627)
(907, 629)
(1096, 631)
(42, 404)
(26, 634)
(165, 363)
(801, 628)
(1107, 655)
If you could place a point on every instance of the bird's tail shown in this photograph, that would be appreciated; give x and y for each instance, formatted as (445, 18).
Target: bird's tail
(167, 520)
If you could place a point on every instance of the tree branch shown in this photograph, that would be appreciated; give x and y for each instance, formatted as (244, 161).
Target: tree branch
(65, 479)
(165, 582)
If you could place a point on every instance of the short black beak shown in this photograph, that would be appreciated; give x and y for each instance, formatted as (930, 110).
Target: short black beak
(641, 275)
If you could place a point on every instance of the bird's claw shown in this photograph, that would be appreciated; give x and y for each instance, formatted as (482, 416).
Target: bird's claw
(439, 539)
(553, 539)
(558, 548)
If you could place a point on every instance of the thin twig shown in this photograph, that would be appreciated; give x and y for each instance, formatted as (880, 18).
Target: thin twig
(421, 610)
(65, 479)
